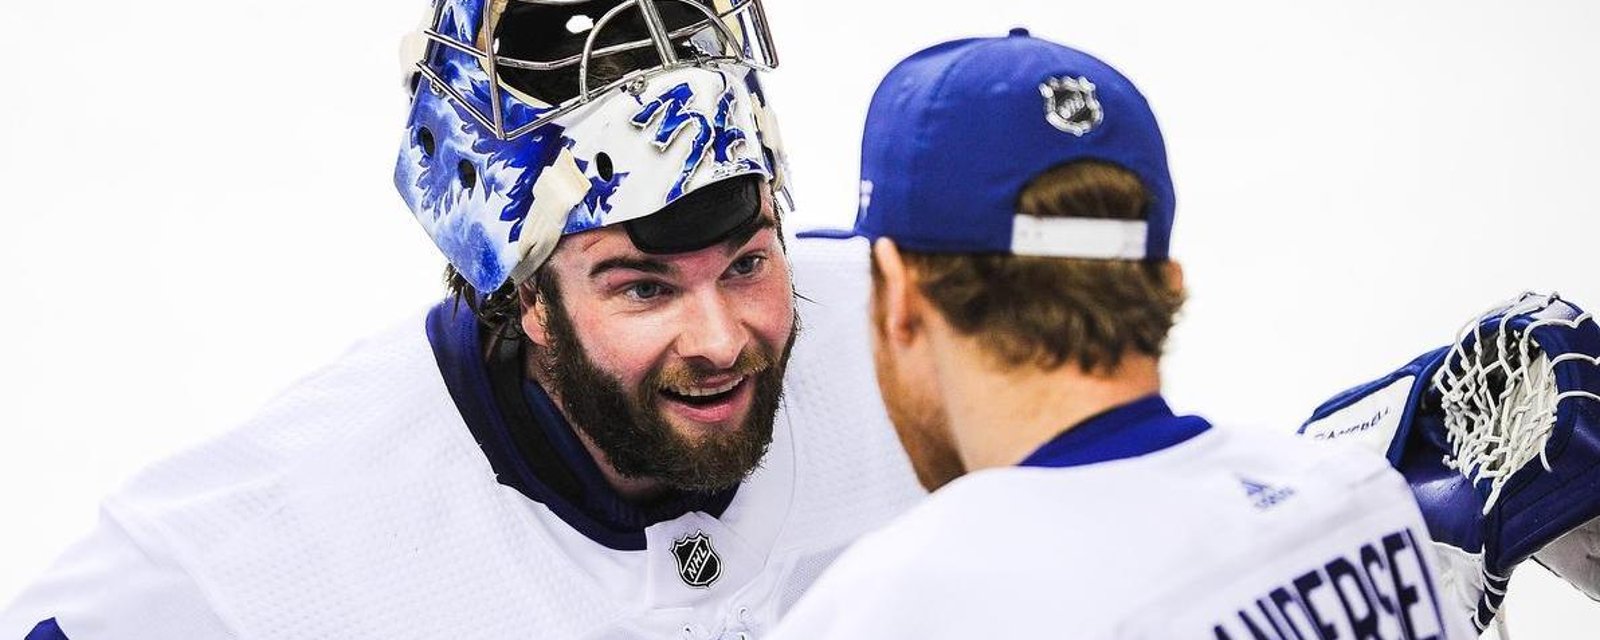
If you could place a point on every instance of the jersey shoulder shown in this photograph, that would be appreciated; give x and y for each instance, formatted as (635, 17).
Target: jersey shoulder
(851, 474)
(358, 489)
(1100, 539)
(335, 425)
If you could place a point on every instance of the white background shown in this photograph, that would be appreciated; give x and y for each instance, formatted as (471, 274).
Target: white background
(197, 201)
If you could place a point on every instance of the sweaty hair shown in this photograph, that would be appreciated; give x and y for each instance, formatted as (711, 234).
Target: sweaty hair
(1049, 312)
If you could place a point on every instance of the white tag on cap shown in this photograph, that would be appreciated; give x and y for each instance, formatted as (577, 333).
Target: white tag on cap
(1093, 238)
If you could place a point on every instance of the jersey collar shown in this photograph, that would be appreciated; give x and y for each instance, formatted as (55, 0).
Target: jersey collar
(533, 449)
(1143, 426)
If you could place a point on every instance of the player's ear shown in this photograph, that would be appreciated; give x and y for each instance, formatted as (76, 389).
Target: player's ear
(1174, 275)
(900, 315)
(534, 311)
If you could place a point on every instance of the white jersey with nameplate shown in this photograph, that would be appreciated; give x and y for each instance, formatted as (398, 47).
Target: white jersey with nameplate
(385, 498)
(1137, 529)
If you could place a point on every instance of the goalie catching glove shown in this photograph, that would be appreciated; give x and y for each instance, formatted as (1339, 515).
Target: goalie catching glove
(1499, 437)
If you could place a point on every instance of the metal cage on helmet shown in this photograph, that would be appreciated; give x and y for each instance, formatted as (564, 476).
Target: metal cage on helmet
(750, 45)
(508, 148)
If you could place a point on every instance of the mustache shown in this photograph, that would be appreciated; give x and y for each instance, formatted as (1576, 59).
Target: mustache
(751, 362)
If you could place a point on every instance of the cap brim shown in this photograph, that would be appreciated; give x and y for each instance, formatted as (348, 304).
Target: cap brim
(829, 234)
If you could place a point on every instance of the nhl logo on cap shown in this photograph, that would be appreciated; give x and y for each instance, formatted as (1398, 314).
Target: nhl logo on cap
(1070, 104)
(698, 563)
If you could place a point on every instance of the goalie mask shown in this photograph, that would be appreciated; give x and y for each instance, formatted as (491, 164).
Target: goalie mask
(532, 119)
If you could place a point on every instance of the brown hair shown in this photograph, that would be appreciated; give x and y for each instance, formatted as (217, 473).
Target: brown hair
(501, 311)
(1048, 312)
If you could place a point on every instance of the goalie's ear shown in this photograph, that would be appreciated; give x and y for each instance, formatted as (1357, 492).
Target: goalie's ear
(534, 313)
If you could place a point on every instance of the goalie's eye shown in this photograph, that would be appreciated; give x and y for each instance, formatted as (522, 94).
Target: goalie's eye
(645, 290)
(747, 265)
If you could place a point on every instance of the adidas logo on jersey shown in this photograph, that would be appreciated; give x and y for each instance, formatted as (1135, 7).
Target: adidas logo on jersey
(1264, 496)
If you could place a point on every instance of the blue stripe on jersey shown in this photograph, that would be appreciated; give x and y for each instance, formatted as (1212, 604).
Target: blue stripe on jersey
(47, 630)
(591, 507)
(1135, 429)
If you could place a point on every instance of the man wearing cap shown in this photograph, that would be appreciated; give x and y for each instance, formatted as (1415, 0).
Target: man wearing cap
(1022, 293)
(586, 440)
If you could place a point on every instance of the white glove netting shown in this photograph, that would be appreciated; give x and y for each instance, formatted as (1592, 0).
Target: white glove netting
(1499, 395)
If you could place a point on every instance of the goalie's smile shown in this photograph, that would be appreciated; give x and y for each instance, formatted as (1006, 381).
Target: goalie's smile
(707, 403)
(704, 391)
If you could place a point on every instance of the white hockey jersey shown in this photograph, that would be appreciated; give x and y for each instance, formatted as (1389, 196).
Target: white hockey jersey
(359, 504)
(1140, 524)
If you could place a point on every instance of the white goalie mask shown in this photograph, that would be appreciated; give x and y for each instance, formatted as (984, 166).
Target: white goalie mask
(532, 119)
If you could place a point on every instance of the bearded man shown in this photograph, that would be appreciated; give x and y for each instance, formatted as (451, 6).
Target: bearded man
(638, 415)
(614, 427)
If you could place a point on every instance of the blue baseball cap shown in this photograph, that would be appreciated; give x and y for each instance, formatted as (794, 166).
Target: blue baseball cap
(956, 131)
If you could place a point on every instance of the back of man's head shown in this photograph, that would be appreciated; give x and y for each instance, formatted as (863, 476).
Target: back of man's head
(1025, 186)
(1049, 312)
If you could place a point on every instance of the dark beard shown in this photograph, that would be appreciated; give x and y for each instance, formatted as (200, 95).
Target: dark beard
(630, 430)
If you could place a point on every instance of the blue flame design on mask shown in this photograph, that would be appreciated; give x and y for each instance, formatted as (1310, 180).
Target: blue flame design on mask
(473, 192)
(466, 74)
(590, 213)
(600, 191)
(459, 19)
(675, 112)
(475, 217)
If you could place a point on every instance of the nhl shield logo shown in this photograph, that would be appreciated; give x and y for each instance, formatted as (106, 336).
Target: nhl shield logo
(698, 563)
(1070, 105)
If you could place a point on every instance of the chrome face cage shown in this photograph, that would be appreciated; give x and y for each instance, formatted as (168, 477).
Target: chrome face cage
(764, 59)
